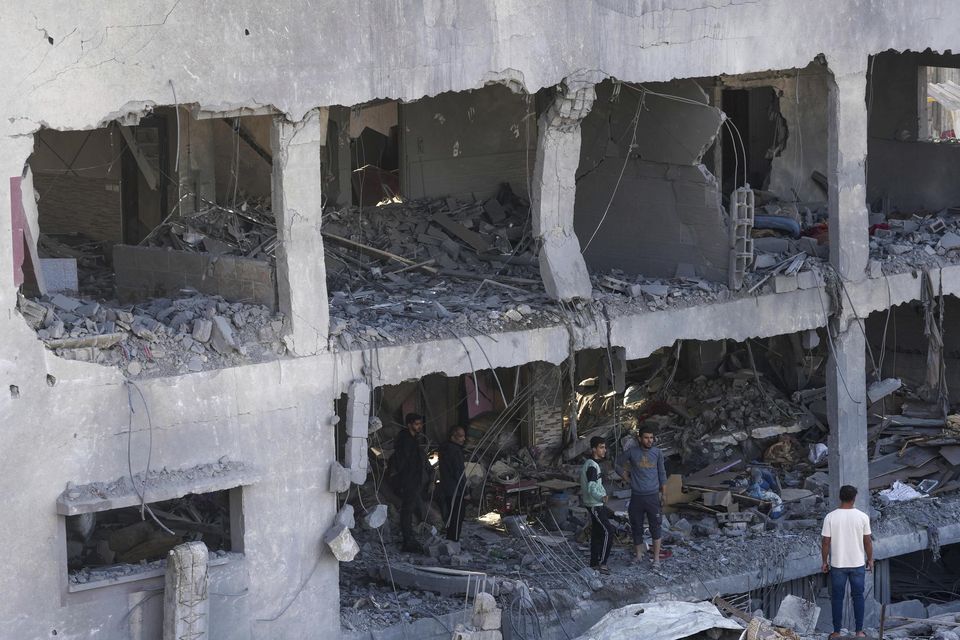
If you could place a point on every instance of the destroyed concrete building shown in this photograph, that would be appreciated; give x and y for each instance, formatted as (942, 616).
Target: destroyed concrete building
(244, 243)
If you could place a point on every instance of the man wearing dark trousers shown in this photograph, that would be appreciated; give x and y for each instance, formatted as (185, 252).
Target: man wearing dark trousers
(846, 549)
(642, 467)
(409, 468)
(594, 497)
(453, 482)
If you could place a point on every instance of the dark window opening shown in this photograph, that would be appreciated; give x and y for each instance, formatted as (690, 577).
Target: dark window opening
(106, 545)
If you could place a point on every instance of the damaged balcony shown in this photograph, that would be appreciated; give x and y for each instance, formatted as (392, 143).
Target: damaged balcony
(725, 413)
(155, 249)
(438, 239)
(913, 99)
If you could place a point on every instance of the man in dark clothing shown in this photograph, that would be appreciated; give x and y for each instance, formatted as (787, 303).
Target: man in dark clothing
(453, 482)
(409, 468)
(642, 467)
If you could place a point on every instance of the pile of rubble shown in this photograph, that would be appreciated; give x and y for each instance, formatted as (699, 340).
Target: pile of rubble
(156, 338)
(921, 240)
(248, 230)
(427, 269)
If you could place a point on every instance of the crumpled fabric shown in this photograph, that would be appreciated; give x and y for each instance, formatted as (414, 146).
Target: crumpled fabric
(900, 492)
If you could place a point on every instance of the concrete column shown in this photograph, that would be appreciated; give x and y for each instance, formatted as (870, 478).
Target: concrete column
(849, 254)
(554, 190)
(846, 160)
(186, 604)
(301, 276)
(358, 426)
(847, 414)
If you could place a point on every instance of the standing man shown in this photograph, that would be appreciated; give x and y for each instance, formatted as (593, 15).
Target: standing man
(643, 468)
(594, 498)
(846, 540)
(453, 481)
(409, 468)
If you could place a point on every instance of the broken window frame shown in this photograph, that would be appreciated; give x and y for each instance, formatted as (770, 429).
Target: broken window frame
(237, 536)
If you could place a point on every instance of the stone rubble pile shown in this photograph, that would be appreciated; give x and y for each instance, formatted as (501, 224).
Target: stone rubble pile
(427, 269)
(923, 240)
(159, 337)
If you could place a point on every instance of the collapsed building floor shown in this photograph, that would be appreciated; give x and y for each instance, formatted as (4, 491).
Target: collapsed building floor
(747, 242)
(720, 410)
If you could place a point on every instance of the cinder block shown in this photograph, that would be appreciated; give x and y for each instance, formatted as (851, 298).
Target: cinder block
(784, 284)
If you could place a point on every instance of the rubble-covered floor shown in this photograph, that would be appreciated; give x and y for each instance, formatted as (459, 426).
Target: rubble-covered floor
(558, 581)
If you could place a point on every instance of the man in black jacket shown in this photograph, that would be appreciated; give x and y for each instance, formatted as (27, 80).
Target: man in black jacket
(453, 481)
(409, 469)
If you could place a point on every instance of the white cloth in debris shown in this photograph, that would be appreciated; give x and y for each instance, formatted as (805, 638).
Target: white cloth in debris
(899, 492)
(659, 621)
(846, 528)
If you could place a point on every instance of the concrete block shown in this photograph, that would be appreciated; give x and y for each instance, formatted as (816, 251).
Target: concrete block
(339, 478)
(202, 329)
(771, 245)
(875, 269)
(376, 517)
(785, 283)
(818, 482)
(340, 541)
(221, 337)
(345, 517)
(809, 280)
(950, 241)
(905, 609)
(797, 614)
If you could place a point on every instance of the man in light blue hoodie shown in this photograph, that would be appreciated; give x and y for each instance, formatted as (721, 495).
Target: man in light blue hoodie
(643, 468)
(594, 498)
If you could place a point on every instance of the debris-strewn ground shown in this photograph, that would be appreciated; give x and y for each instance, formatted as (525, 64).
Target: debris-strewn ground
(157, 338)
(923, 240)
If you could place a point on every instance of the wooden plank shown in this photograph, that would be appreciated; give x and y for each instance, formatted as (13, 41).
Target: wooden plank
(472, 238)
(918, 456)
(141, 159)
(951, 454)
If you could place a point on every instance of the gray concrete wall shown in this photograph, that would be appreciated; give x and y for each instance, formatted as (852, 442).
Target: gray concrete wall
(644, 202)
(154, 272)
(467, 144)
(72, 67)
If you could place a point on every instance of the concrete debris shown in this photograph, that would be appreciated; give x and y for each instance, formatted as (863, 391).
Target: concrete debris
(798, 614)
(163, 336)
(339, 478)
(341, 543)
(248, 229)
(376, 517)
(424, 269)
(919, 240)
(345, 517)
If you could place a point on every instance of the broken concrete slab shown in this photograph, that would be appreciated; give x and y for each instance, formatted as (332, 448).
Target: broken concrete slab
(341, 543)
(339, 478)
(202, 329)
(783, 283)
(376, 517)
(797, 614)
(880, 389)
(345, 516)
(222, 338)
(447, 582)
(950, 241)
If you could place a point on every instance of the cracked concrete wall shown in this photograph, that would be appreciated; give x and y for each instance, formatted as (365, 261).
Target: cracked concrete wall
(72, 67)
(466, 144)
(667, 208)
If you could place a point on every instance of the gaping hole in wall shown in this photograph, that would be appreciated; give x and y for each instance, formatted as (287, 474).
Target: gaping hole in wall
(689, 190)
(912, 155)
(104, 547)
(155, 248)
(742, 428)
(930, 577)
(438, 240)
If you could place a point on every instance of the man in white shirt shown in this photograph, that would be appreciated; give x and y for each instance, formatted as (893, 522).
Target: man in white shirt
(847, 543)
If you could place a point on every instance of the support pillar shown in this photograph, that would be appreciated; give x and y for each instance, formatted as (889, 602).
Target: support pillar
(849, 253)
(358, 428)
(186, 603)
(554, 191)
(297, 205)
